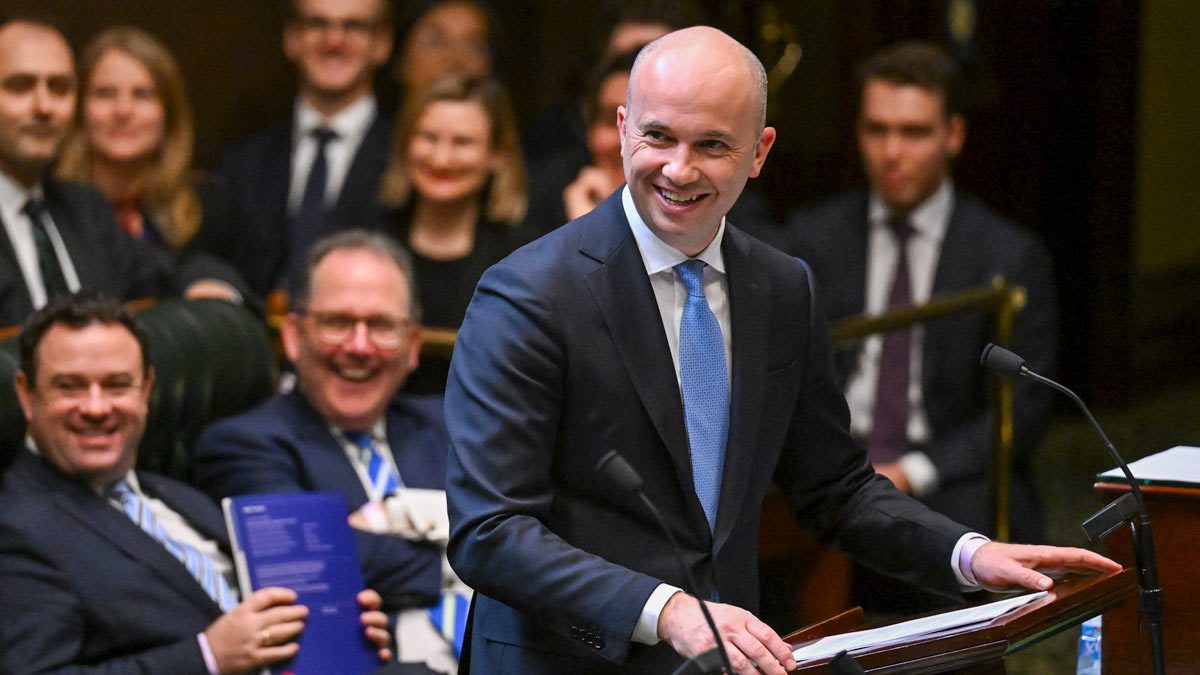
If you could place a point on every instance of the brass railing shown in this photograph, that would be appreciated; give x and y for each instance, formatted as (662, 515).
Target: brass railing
(1002, 300)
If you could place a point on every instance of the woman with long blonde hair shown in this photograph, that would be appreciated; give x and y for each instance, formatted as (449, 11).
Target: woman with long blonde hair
(134, 144)
(455, 187)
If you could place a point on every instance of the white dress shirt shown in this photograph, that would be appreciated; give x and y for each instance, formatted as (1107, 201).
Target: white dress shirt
(350, 125)
(929, 222)
(670, 293)
(19, 229)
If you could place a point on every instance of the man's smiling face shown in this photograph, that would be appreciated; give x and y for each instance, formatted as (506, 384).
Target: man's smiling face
(691, 136)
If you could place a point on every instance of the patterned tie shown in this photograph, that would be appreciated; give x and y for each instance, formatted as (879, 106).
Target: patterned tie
(52, 275)
(383, 477)
(198, 565)
(306, 226)
(449, 617)
(888, 439)
(705, 383)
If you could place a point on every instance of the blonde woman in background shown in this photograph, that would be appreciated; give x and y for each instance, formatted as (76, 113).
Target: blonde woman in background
(455, 195)
(134, 144)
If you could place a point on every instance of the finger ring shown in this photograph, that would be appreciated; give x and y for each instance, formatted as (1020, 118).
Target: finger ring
(264, 638)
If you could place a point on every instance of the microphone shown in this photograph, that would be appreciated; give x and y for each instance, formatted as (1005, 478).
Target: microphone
(1001, 360)
(613, 467)
(844, 664)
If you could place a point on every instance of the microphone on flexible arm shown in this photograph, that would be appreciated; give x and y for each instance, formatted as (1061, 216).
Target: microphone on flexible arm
(625, 478)
(1110, 517)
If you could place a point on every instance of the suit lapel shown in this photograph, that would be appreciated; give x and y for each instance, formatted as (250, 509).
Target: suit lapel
(749, 318)
(321, 452)
(362, 179)
(20, 306)
(953, 272)
(622, 290)
(95, 514)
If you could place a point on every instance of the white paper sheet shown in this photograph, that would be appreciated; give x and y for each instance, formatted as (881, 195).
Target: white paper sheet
(863, 639)
(1180, 464)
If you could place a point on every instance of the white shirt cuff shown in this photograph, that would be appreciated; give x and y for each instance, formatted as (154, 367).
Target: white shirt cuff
(960, 560)
(646, 630)
(922, 475)
(210, 661)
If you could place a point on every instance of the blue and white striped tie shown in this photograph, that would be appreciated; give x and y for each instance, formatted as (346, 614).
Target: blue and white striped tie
(705, 384)
(203, 569)
(383, 477)
(449, 617)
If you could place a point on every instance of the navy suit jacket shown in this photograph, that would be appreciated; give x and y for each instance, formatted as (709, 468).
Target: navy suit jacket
(979, 244)
(258, 171)
(104, 257)
(561, 358)
(85, 589)
(284, 445)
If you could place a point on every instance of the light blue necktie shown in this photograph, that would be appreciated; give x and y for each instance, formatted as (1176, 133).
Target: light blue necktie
(381, 474)
(705, 384)
(198, 565)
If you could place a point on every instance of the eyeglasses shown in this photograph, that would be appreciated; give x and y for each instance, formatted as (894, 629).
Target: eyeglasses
(323, 24)
(337, 328)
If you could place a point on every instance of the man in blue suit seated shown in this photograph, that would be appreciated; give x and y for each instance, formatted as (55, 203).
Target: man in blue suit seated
(353, 336)
(106, 568)
(654, 327)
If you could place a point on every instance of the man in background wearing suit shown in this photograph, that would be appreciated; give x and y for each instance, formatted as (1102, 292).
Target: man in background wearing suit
(58, 237)
(918, 397)
(353, 335)
(106, 568)
(654, 327)
(320, 171)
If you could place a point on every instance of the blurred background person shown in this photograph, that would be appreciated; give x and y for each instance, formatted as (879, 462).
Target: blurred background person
(455, 197)
(134, 145)
(572, 181)
(319, 171)
(438, 38)
(625, 26)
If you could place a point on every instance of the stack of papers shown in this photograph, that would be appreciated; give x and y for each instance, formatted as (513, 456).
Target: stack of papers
(875, 637)
(1179, 467)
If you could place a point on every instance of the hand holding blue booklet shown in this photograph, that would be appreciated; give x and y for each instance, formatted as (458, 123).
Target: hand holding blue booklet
(302, 541)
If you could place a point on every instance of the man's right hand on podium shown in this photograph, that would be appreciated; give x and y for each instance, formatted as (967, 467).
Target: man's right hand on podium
(752, 646)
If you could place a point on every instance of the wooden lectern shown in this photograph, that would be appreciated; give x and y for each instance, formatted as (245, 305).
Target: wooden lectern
(981, 648)
(1175, 514)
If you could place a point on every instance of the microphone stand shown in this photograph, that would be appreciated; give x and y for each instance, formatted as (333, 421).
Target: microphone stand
(1143, 534)
(1000, 359)
(613, 466)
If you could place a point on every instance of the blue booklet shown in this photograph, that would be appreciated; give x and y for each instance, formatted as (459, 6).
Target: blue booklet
(302, 541)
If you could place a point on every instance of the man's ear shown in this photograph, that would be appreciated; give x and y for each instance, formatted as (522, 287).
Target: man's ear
(25, 392)
(761, 147)
(956, 135)
(289, 334)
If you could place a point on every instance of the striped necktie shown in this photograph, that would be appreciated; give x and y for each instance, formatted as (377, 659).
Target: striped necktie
(384, 480)
(198, 565)
(705, 384)
(449, 617)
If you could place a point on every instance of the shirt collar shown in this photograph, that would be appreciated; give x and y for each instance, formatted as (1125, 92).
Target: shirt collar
(13, 195)
(350, 123)
(378, 431)
(657, 255)
(929, 220)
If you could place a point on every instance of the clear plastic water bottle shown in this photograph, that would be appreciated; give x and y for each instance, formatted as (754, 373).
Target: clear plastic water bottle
(1088, 662)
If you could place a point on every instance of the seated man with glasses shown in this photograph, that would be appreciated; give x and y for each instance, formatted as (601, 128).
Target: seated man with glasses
(353, 336)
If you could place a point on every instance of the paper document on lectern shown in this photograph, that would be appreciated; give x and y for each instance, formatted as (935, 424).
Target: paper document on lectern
(864, 639)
